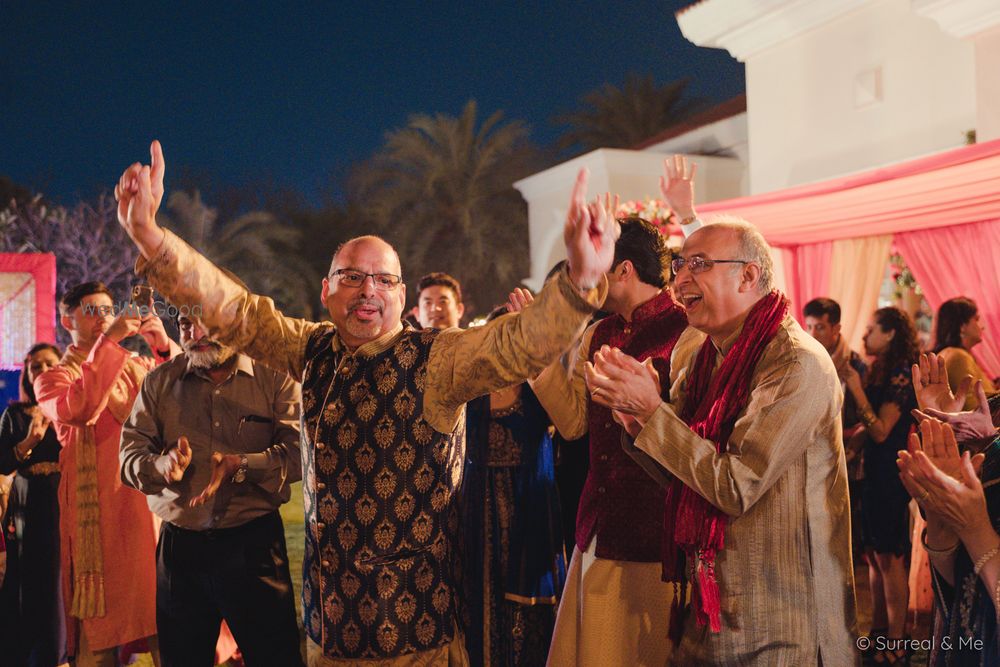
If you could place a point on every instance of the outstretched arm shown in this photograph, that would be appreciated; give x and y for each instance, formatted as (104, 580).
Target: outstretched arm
(508, 350)
(246, 321)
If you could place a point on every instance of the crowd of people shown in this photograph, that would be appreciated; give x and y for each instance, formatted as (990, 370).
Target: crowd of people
(649, 462)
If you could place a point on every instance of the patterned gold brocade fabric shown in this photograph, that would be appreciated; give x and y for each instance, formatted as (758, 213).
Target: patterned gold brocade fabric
(383, 446)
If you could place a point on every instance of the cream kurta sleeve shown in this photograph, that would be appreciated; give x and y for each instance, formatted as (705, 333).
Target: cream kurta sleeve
(250, 323)
(782, 419)
(563, 391)
(504, 352)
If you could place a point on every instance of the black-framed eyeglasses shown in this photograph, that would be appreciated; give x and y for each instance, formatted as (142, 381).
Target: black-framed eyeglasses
(700, 264)
(352, 278)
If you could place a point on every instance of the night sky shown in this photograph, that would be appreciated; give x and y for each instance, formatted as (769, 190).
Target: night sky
(296, 92)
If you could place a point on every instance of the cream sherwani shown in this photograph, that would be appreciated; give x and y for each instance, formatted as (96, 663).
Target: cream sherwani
(785, 575)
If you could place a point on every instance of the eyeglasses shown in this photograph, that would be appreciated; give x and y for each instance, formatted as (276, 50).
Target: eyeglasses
(700, 264)
(351, 278)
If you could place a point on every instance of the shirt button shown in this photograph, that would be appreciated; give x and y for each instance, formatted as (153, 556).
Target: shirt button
(325, 563)
(601, 489)
(320, 525)
(345, 370)
(607, 424)
(604, 457)
(218, 391)
(320, 485)
(320, 445)
(216, 424)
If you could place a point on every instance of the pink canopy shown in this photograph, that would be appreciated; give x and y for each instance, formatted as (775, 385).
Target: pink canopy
(942, 212)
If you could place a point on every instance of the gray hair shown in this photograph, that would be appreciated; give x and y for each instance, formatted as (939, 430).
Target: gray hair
(752, 247)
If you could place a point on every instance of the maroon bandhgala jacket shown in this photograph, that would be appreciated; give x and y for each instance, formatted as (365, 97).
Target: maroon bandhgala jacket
(621, 504)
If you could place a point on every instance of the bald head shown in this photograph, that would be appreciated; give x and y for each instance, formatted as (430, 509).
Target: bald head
(365, 312)
(748, 244)
(369, 243)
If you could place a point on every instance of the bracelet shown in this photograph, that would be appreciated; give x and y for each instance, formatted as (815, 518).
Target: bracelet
(923, 541)
(984, 559)
(867, 417)
(996, 600)
(22, 457)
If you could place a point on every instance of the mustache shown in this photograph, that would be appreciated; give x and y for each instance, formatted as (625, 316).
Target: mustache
(203, 341)
(363, 301)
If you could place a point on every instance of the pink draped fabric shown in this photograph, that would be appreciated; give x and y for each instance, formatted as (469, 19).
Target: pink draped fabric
(956, 187)
(962, 260)
(807, 273)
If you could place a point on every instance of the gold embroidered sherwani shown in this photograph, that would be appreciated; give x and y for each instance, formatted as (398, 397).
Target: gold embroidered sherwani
(785, 574)
(383, 449)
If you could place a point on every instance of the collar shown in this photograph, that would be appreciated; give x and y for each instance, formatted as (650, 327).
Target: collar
(372, 347)
(660, 303)
(727, 344)
(244, 364)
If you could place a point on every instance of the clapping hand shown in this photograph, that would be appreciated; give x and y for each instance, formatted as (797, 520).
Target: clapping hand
(944, 483)
(590, 234)
(930, 383)
(224, 466)
(623, 384)
(139, 192)
(176, 461)
(969, 426)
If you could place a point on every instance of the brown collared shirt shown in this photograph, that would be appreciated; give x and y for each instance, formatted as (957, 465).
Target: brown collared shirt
(255, 411)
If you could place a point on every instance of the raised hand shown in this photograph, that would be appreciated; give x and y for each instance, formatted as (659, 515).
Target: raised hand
(224, 466)
(969, 426)
(677, 185)
(139, 193)
(590, 234)
(519, 300)
(621, 383)
(930, 384)
(177, 460)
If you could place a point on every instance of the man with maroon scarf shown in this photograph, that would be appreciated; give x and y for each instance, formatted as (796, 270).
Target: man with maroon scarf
(620, 514)
(757, 522)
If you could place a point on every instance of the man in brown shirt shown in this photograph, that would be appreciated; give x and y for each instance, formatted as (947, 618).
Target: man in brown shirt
(213, 442)
(784, 579)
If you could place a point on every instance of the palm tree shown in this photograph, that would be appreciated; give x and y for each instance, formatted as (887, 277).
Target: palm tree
(255, 246)
(440, 190)
(613, 117)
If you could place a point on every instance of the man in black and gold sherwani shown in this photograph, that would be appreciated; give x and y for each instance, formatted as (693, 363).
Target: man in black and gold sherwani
(382, 416)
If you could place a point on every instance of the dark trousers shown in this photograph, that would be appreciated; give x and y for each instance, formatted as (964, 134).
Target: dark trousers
(237, 574)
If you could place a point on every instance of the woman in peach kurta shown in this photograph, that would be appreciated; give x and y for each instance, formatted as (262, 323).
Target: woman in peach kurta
(97, 390)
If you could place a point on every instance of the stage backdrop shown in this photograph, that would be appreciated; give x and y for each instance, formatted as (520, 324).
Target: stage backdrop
(27, 304)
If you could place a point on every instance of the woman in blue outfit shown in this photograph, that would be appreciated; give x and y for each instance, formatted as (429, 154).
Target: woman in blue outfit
(884, 403)
(31, 597)
(513, 562)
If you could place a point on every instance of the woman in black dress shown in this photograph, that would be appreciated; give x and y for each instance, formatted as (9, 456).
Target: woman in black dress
(31, 597)
(884, 403)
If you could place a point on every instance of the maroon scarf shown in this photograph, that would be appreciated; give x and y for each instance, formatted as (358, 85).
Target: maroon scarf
(694, 530)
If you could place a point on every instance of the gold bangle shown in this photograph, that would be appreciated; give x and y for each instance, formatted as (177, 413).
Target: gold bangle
(996, 600)
(929, 549)
(984, 559)
(867, 417)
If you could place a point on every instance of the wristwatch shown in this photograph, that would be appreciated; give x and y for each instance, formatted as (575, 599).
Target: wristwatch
(241, 473)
